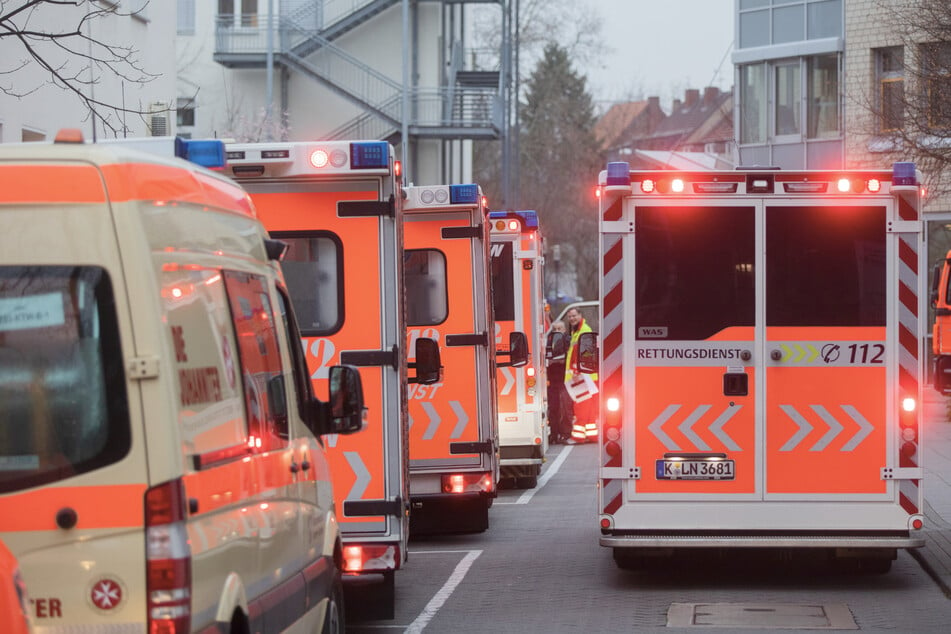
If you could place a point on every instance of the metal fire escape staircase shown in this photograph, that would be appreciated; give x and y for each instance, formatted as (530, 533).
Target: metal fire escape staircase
(467, 107)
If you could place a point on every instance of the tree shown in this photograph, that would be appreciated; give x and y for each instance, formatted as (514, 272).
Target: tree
(908, 110)
(66, 55)
(559, 162)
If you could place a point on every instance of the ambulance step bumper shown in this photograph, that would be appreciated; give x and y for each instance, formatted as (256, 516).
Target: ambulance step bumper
(519, 462)
(845, 540)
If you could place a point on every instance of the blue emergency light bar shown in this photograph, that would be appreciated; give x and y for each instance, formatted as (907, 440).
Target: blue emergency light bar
(619, 173)
(463, 194)
(528, 219)
(369, 155)
(208, 153)
(904, 174)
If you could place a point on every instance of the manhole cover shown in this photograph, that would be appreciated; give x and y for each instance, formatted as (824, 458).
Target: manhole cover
(829, 616)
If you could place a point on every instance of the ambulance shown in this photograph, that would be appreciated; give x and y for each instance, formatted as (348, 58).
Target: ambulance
(454, 439)
(760, 362)
(339, 206)
(161, 461)
(519, 306)
(941, 328)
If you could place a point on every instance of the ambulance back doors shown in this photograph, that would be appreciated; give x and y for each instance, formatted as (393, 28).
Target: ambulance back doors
(761, 357)
(518, 303)
(338, 206)
(453, 433)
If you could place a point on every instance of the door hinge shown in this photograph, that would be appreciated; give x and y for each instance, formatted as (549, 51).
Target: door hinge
(620, 473)
(143, 368)
(902, 473)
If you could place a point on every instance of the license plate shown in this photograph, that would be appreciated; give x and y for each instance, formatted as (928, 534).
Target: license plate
(693, 469)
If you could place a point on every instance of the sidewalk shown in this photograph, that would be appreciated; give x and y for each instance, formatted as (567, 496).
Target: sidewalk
(935, 556)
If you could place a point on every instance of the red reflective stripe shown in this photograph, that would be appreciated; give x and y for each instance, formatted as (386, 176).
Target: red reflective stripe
(51, 184)
(108, 506)
(153, 181)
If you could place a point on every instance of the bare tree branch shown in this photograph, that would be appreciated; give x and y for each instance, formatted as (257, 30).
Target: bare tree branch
(70, 58)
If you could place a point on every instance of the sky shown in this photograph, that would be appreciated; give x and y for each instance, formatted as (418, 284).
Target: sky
(660, 48)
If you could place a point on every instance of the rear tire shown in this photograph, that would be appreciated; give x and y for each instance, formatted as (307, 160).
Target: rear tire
(527, 482)
(334, 616)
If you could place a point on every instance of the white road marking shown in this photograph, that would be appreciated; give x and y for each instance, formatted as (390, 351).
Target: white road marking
(526, 497)
(444, 592)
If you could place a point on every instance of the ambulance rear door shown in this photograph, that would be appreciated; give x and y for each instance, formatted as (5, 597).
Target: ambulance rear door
(336, 204)
(454, 428)
(773, 338)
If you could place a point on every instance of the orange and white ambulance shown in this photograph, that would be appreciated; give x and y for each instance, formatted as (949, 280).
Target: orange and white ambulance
(339, 207)
(941, 328)
(760, 362)
(161, 466)
(519, 306)
(454, 445)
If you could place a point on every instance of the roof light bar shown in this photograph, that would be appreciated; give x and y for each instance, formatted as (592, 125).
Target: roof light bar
(208, 153)
(904, 174)
(369, 155)
(619, 173)
(464, 194)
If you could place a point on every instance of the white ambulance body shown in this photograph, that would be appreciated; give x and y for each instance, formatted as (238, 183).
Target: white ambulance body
(760, 361)
(454, 445)
(160, 462)
(519, 306)
(338, 204)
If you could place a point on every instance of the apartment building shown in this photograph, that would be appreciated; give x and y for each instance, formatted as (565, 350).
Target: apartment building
(260, 70)
(34, 105)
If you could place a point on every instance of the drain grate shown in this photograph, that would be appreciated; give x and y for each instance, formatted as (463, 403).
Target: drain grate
(789, 616)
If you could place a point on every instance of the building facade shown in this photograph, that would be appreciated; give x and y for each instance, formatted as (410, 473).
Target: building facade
(788, 59)
(34, 106)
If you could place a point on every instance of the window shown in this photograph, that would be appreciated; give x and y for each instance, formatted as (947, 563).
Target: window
(694, 267)
(63, 404)
(427, 297)
(185, 112)
(753, 103)
(503, 281)
(243, 12)
(822, 84)
(186, 17)
(253, 319)
(890, 72)
(314, 274)
(787, 98)
(765, 22)
(834, 277)
(936, 68)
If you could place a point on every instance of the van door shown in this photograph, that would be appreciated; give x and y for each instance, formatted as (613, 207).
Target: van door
(453, 422)
(829, 347)
(695, 320)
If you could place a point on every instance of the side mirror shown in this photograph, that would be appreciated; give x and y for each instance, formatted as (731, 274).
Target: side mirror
(428, 364)
(346, 410)
(556, 345)
(517, 352)
(588, 352)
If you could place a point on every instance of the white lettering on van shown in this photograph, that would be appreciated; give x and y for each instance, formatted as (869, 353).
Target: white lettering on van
(33, 311)
(47, 608)
(652, 332)
(199, 385)
(323, 350)
(422, 392)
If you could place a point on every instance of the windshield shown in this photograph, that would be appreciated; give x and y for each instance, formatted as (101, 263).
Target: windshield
(63, 405)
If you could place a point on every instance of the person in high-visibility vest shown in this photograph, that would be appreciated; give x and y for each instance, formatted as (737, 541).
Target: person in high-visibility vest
(585, 425)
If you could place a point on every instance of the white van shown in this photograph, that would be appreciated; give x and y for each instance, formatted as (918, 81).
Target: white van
(161, 467)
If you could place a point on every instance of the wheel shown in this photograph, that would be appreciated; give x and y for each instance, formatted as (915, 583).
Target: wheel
(334, 620)
(527, 482)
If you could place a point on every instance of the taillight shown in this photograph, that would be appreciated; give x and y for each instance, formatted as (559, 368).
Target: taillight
(168, 559)
(467, 483)
(359, 558)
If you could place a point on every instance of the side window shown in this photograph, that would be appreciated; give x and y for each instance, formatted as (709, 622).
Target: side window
(503, 281)
(260, 357)
(302, 383)
(206, 364)
(313, 270)
(63, 402)
(427, 298)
